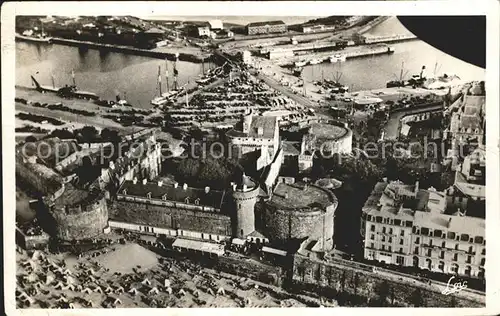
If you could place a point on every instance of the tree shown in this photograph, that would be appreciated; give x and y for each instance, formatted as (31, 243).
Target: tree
(89, 134)
(416, 298)
(30, 139)
(382, 290)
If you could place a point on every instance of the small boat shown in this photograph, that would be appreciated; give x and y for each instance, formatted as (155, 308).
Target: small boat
(337, 57)
(315, 61)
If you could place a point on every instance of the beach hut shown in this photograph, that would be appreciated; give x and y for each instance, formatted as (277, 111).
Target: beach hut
(62, 299)
(37, 254)
(69, 279)
(146, 282)
(210, 291)
(119, 290)
(70, 287)
(167, 283)
(169, 290)
(117, 301)
(221, 291)
(59, 286)
(182, 292)
(108, 290)
(31, 278)
(133, 291)
(97, 289)
(87, 291)
(154, 291)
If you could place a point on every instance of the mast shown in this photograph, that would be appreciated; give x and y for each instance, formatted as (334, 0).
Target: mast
(176, 72)
(73, 76)
(203, 65)
(166, 74)
(53, 81)
(159, 79)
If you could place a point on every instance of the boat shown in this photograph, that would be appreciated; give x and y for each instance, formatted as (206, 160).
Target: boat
(315, 61)
(335, 86)
(300, 63)
(366, 100)
(337, 57)
(47, 40)
(68, 91)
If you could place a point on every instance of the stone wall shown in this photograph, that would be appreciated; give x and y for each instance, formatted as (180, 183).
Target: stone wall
(343, 278)
(170, 217)
(88, 222)
(283, 225)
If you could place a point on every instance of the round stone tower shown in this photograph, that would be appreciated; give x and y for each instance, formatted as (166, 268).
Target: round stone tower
(244, 196)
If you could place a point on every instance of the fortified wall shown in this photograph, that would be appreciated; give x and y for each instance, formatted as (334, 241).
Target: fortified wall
(170, 217)
(340, 277)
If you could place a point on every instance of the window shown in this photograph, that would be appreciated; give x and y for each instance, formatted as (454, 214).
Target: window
(368, 217)
(464, 237)
(383, 230)
(390, 239)
(451, 235)
(417, 241)
(456, 247)
(371, 245)
(383, 238)
(438, 233)
(402, 232)
(469, 259)
(378, 219)
(383, 247)
(400, 250)
(372, 228)
(443, 244)
(400, 260)
(390, 249)
(401, 241)
(441, 265)
(397, 222)
(424, 231)
(471, 249)
(430, 242)
(409, 224)
(416, 251)
(441, 255)
(390, 231)
(482, 261)
(455, 257)
(372, 237)
(429, 252)
(478, 240)
(454, 268)
(483, 252)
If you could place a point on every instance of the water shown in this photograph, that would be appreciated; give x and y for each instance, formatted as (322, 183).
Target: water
(112, 73)
(373, 72)
(106, 74)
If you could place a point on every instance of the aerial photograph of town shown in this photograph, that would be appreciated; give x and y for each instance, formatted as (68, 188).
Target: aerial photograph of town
(245, 161)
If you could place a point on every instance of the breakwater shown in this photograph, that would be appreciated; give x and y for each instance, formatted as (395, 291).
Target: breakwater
(134, 51)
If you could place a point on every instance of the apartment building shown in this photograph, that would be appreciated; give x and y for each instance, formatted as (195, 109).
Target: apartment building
(408, 226)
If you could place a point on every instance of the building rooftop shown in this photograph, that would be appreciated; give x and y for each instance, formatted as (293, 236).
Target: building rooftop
(294, 196)
(211, 199)
(459, 224)
(327, 131)
(260, 127)
(257, 24)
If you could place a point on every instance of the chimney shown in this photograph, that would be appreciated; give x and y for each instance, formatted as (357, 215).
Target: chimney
(135, 180)
(144, 181)
(207, 189)
(184, 186)
(176, 185)
(160, 183)
(449, 222)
